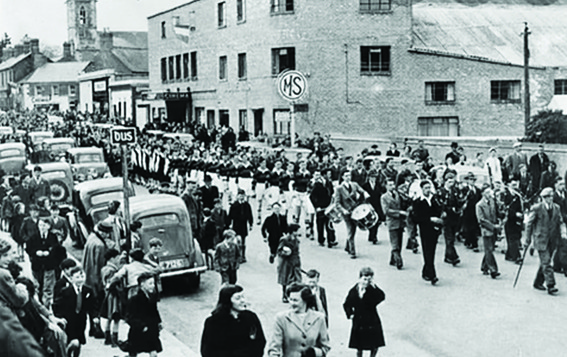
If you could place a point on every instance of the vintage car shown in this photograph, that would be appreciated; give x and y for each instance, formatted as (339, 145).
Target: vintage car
(85, 161)
(12, 157)
(60, 179)
(59, 146)
(183, 138)
(6, 130)
(289, 153)
(37, 137)
(166, 217)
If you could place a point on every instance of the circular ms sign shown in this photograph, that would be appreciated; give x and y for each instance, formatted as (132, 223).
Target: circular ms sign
(292, 85)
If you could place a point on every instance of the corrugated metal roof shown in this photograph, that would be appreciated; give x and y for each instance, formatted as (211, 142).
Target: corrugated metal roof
(493, 31)
(57, 72)
(13, 60)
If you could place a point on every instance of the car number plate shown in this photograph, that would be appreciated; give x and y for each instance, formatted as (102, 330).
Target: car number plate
(172, 264)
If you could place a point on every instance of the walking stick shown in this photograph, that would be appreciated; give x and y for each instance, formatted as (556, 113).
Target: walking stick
(521, 265)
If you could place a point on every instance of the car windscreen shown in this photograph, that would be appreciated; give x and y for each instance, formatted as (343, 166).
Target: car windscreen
(40, 138)
(87, 158)
(61, 146)
(11, 153)
(104, 198)
(52, 175)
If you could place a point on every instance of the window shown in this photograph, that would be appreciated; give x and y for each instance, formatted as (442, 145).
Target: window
(242, 66)
(82, 16)
(282, 6)
(200, 115)
(224, 118)
(163, 29)
(240, 11)
(243, 119)
(439, 92)
(171, 69)
(375, 60)
(282, 121)
(561, 87)
(282, 59)
(185, 65)
(194, 65)
(210, 119)
(221, 13)
(55, 90)
(222, 67)
(375, 5)
(164, 69)
(72, 89)
(178, 66)
(63, 90)
(38, 90)
(438, 126)
(505, 91)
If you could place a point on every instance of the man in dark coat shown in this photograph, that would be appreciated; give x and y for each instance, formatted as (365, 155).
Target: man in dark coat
(39, 186)
(449, 199)
(209, 193)
(514, 221)
(29, 228)
(538, 164)
(560, 198)
(471, 229)
(240, 217)
(395, 221)
(273, 228)
(375, 190)
(321, 196)
(194, 208)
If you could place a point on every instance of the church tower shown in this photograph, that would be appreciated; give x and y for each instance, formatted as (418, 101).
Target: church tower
(81, 28)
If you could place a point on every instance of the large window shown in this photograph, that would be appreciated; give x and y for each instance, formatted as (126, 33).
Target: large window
(242, 66)
(185, 65)
(224, 118)
(164, 69)
(282, 6)
(282, 122)
(240, 10)
(505, 91)
(194, 65)
(375, 5)
(438, 126)
(561, 87)
(375, 59)
(439, 92)
(282, 59)
(171, 68)
(178, 66)
(221, 14)
(222, 68)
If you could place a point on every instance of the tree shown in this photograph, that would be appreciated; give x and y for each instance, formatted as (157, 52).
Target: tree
(547, 126)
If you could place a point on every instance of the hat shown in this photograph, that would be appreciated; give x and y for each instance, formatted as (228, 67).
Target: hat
(485, 187)
(104, 226)
(5, 246)
(470, 176)
(241, 191)
(372, 173)
(449, 175)
(546, 192)
(492, 149)
(517, 144)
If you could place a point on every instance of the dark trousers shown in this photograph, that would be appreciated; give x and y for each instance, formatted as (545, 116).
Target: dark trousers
(489, 261)
(545, 271)
(513, 239)
(428, 246)
(273, 243)
(324, 224)
(396, 239)
(412, 234)
(228, 276)
(351, 231)
(373, 233)
(560, 257)
(471, 231)
(449, 231)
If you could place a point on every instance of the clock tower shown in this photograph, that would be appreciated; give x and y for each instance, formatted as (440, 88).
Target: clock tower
(82, 28)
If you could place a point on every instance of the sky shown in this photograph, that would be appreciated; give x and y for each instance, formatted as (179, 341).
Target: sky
(47, 19)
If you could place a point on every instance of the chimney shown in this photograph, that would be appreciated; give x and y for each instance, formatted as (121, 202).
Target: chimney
(66, 50)
(34, 46)
(106, 41)
(18, 50)
(27, 46)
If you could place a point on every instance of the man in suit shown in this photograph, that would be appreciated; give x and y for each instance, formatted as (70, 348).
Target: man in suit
(449, 199)
(209, 193)
(560, 198)
(193, 207)
(273, 228)
(321, 196)
(29, 228)
(545, 227)
(514, 220)
(427, 214)
(375, 190)
(39, 186)
(227, 257)
(471, 229)
(347, 197)
(359, 174)
(240, 217)
(538, 164)
(489, 227)
(395, 221)
(319, 293)
(514, 160)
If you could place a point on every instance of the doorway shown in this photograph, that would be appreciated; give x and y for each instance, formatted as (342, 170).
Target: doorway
(258, 121)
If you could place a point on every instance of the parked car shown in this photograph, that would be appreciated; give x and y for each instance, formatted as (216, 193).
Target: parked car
(59, 146)
(166, 217)
(86, 160)
(6, 130)
(60, 179)
(12, 157)
(37, 137)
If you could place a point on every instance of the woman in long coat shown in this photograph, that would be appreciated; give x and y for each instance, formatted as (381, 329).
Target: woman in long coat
(360, 306)
(289, 262)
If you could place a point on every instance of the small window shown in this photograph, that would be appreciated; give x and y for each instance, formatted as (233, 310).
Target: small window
(185, 65)
(222, 68)
(375, 60)
(164, 69)
(282, 6)
(221, 13)
(163, 29)
(72, 89)
(438, 126)
(282, 59)
(439, 92)
(561, 87)
(505, 91)
(171, 68)
(242, 66)
(240, 10)
(243, 119)
(39, 90)
(178, 66)
(194, 65)
(375, 5)
(82, 16)
(56, 90)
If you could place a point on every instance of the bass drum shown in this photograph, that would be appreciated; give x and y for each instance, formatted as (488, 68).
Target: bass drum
(334, 213)
(365, 216)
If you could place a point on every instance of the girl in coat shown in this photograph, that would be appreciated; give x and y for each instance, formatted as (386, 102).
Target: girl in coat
(360, 307)
(232, 330)
(112, 307)
(289, 262)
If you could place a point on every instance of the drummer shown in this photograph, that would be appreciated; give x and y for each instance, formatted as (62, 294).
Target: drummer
(321, 195)
(347, 197)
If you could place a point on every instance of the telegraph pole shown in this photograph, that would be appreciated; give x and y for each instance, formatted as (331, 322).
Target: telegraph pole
(526, 78)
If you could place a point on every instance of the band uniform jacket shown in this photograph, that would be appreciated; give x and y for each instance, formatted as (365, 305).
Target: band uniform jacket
(543, 228)
(391, 206)
(375, 197)
(366, 332)
(486, 216)
(65, 306)
(349, 199)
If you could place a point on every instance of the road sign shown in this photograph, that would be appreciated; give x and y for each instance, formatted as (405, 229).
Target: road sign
(123, 136)
(292, 85)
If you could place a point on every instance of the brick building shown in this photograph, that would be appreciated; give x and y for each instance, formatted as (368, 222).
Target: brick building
(374, 67)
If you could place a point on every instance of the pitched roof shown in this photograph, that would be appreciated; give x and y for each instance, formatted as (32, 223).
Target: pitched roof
(493, 31)
(123, 61)
(130, 39)
(57, 72)
(13, 60)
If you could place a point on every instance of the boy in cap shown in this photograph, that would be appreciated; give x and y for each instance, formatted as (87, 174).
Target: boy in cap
(240, 217)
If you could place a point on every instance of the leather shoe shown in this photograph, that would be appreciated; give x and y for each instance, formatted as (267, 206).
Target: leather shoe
(426, 278)
(552, 290)
(485, 272)
(494, 275)
(476, 250)
(400, 265)
(333, 244)
(539, 287)
(353, 256)
(434, 281)
(271, 259)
